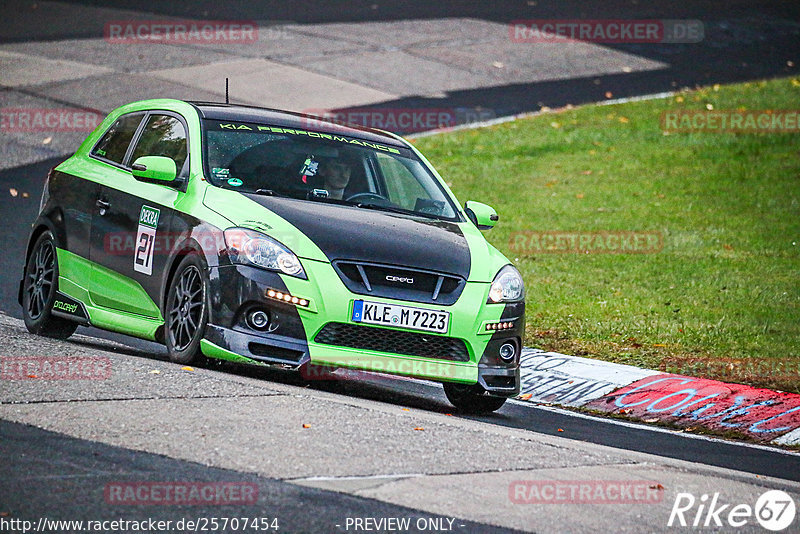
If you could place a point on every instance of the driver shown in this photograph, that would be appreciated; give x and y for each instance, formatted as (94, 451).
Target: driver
(335, 175)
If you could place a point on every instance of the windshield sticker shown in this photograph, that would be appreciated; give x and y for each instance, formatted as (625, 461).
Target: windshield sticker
(235, 182)
(221, 173)
(275, 130)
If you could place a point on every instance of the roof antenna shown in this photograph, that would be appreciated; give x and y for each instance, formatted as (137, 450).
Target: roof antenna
(226, 91)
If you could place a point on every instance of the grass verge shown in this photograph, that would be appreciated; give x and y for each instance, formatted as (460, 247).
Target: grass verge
(720, 299)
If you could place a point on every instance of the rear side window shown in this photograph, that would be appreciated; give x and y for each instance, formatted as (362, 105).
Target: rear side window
(163, 135)
(114, 143)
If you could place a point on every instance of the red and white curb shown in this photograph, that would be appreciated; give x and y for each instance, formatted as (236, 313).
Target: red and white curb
(764, 415)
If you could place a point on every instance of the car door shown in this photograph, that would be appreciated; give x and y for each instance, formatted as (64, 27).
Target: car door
(129, 241)
(77, 190)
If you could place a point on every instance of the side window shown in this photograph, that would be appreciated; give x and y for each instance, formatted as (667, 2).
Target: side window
(403, 187)
(114, 144)
(163, 135)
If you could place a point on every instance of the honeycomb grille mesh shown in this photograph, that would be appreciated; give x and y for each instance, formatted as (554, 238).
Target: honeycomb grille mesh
(393, 341)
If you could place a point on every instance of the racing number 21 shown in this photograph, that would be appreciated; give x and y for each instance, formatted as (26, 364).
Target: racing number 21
(143, 260)
(145, 240)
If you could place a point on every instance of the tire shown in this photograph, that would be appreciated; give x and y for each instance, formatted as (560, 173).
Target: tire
(39, 289)
(472, 398)
(186, 309)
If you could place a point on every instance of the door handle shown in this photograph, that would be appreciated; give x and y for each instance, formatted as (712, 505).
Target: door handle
(103, 205)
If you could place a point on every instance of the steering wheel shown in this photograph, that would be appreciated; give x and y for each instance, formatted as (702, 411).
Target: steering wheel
(367, 196)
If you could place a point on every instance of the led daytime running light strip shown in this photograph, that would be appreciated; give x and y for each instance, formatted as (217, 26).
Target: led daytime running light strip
(499, 326)
(287, 298)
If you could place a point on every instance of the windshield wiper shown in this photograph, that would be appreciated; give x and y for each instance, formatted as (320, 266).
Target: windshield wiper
(373, 206)
(269, 193)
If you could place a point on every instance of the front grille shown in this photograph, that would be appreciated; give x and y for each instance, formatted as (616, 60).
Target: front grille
(393, 341)
(400, 283)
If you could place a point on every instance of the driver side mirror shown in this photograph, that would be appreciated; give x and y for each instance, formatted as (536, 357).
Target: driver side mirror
(155, 170)
(481, 215)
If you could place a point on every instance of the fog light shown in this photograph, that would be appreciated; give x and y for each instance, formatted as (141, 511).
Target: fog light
(258, 319)
(507, 352)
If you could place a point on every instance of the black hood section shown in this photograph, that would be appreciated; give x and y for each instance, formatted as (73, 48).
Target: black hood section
(350, 233)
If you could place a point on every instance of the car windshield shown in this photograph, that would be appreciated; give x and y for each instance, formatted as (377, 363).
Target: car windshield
(308, 165)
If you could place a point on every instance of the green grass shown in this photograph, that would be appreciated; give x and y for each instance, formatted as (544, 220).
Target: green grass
(726, 284)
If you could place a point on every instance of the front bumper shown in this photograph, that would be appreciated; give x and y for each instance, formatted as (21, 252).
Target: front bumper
(292, 337)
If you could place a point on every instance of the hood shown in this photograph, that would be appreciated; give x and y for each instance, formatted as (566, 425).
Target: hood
(373, 236)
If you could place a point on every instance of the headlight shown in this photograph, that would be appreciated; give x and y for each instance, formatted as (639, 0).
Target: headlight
(254, 248)
(507, 286)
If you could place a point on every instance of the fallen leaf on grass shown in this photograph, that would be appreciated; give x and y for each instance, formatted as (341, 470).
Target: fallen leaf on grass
(659, 345)
(727, 246)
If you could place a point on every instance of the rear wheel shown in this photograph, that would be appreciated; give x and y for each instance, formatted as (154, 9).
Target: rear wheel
(472, 398)
(39, 291)
(186, 311)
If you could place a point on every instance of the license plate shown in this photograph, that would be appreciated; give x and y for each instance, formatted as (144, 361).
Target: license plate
(400, 316)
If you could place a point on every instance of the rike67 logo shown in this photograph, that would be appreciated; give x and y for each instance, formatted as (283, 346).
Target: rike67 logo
(774, 510)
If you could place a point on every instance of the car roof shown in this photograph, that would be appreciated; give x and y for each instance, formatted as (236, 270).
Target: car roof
(290, 119)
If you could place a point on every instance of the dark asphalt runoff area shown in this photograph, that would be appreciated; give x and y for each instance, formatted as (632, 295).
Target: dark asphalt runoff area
(74, 473)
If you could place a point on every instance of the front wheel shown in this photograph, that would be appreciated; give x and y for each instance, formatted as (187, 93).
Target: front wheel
(186, 311)
(39, 291)
(472, 398)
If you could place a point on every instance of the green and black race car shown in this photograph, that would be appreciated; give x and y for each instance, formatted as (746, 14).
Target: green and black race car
(264, 236)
